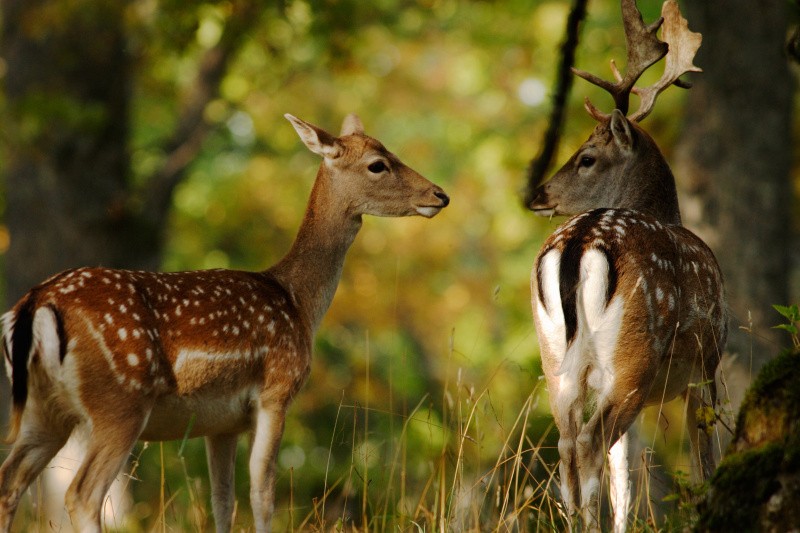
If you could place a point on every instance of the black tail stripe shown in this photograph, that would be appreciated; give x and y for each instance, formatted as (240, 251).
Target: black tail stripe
(61, 332)
(21, 341)
(568, 277)
(569, 270)
(612, 273)
(539, 289)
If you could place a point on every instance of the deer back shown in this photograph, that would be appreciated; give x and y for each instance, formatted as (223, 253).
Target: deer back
(184, 333)
(660, 288)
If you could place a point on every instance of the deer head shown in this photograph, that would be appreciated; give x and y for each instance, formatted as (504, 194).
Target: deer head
(620, 165)
(368, 178)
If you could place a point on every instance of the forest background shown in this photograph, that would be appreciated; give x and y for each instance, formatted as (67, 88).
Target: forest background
(149, 134)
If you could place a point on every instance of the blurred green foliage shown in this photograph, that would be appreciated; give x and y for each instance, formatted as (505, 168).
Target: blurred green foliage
(428, 356)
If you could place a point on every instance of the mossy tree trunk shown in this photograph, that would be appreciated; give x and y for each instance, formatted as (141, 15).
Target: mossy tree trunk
(757, 485)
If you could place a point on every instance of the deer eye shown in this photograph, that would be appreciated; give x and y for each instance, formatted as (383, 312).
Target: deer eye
(377, 167)
(586, 161)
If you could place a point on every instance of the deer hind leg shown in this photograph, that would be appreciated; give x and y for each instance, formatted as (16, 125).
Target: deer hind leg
(620, 490)
(36, 444)
(612, 418)
(568, 470)
(109, 446)
(566, 408)
(221, 454)
(266, 442)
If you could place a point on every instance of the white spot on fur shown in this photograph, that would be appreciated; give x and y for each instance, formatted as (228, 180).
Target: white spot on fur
(133, 359)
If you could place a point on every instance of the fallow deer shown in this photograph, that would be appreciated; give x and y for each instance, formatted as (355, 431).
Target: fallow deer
(128, 355)
(628, 304)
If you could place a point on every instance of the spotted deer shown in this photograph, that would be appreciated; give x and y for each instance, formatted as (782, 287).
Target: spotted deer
(129, 355)
(628, 304)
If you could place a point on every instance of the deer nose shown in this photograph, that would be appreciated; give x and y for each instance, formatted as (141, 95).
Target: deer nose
(540, 199)
(441, 195)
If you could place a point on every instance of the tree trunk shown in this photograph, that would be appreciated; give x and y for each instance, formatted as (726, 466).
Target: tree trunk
(733, 165)
(67, 173)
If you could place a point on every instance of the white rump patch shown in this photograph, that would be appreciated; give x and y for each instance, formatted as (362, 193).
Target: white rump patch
(46, 341)
(551, 316)
(599, 323)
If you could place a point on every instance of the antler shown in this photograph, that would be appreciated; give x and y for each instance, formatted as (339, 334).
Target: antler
(645, 49)
(683, 45)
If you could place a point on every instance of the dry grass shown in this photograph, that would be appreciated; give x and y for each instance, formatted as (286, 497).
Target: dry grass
(458, 462)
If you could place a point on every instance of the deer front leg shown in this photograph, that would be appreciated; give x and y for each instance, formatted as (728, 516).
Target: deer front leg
(221, 455)
(700, 435)
(266, 442)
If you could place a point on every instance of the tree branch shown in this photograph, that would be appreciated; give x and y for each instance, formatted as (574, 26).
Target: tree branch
(186, 141)
(541, 163)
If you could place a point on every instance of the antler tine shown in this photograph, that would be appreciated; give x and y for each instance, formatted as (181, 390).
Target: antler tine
(683, 45)
(644, 49)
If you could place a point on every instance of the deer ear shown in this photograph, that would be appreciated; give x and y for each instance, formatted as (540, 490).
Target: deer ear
(621, 131)
(316, 139)
(351, 125)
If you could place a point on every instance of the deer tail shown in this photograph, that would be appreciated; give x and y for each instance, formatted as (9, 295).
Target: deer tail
(17, 343)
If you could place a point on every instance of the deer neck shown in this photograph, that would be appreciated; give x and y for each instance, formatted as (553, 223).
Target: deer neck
(312, 268)
(649, 183)
(659, 198)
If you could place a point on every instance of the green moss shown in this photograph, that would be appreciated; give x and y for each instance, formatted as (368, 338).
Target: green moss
(764, 456)
(772, 405)
(743, 482)
(767, 388)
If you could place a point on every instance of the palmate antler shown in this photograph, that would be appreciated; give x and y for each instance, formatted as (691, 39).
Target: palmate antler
(645, 49)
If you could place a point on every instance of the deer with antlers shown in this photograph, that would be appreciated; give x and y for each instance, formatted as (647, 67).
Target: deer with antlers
(628, 304)
(139, 355)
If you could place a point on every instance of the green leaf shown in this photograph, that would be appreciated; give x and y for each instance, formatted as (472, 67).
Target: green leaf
(791, 313)
(791, 328)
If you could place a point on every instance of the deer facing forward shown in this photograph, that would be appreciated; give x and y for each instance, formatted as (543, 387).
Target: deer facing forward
(628, 304)
(127, 355)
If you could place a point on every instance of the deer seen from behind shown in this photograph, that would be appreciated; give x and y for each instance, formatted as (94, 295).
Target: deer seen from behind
(121, 356)
(628, 304)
